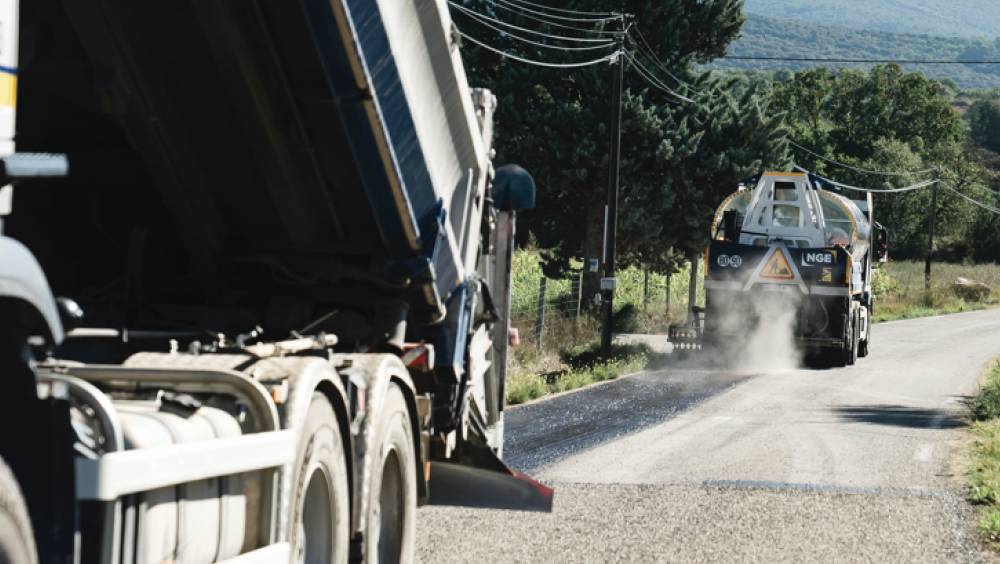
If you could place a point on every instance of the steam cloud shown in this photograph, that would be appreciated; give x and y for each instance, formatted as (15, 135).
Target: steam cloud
(757, 331)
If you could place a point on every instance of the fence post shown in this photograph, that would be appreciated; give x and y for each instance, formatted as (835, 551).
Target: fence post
(667, 296)
(693, 286)
(645, 288)
(579, 295)
(540, 314)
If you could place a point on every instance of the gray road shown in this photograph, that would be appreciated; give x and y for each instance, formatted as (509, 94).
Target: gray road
(685, 465)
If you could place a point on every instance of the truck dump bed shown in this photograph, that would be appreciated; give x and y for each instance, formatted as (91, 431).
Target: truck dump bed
(260, 154)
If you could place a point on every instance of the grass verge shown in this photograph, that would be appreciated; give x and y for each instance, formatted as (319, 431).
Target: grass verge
(937, 301)
(900, 292)
(981, 459)
(580, 367)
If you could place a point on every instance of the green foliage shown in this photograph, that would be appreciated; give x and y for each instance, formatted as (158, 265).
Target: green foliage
(986, 405)
(984, 123)
(555, 123)
(739, 133)
(886, 119)
(585, 369)
(982, 455)
(883, 284)
(899, 289)
(626, 319)
(989, 524)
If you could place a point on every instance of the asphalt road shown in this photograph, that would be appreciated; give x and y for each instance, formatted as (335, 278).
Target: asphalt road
(687, 465)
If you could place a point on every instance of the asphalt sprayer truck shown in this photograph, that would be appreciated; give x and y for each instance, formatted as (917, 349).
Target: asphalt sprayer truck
(282, 255)
(788, 245)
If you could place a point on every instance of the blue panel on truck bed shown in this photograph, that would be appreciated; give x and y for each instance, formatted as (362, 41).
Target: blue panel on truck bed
(383, 137)
(323, 151)
(370, 134)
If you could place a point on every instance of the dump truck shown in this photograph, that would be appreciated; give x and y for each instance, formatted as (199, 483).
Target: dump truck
(281, 252)
(795, 243)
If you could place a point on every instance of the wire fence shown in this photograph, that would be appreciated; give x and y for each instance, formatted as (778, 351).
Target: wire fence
(544, 309)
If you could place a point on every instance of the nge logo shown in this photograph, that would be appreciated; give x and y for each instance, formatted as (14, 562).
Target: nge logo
(817, 258)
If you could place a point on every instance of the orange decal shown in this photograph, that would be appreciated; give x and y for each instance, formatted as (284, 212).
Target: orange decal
(777, 267)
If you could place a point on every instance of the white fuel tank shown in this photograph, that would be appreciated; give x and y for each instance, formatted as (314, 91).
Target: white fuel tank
(787, 206)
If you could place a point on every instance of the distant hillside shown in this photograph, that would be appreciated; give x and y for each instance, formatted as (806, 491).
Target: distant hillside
(965, 18)
(784, 38)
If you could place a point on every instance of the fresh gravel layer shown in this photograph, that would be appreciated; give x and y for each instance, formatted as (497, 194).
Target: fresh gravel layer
(708, 523)
(547, 431)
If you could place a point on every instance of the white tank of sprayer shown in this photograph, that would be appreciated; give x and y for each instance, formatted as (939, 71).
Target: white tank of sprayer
(795, 209)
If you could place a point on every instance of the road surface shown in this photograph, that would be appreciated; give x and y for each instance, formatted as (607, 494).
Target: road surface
(685, 465)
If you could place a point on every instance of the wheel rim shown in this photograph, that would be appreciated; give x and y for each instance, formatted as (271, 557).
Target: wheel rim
(390, 510)
(316, 525)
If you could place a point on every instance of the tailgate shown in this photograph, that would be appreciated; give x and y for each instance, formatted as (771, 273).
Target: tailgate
(732, 266)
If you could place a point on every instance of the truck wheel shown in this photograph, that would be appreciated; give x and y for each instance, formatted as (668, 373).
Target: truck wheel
(320, 523)
(392, 502)
(16, 539)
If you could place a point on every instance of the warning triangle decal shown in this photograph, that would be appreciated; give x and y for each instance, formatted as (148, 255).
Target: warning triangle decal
(777, 267)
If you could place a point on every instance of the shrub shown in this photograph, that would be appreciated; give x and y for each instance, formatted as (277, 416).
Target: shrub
(987, 404)
(883, 284)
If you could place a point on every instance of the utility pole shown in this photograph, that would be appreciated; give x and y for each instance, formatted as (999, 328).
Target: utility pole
(693, 286)
(930, 231)
(611, 212)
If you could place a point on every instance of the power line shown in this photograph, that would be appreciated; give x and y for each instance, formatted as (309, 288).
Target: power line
(512, 35)
(651, 79)
(565, 11)
(861, 170)
(909, 188)
(483, 17)
(607, 58)
(650, 52)
(588, 19)
(859, 61)
(973, 201)
(551, 23)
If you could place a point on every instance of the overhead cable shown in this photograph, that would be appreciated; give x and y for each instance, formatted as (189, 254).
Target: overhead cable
(502, 53)
(858, 61)
(511, 35)
(973, 201)
(528, 16)
(909, 188)
(483, 17)
(861, 170)
(650, 52)
(564, 10)
(588, 19)
(651, 79)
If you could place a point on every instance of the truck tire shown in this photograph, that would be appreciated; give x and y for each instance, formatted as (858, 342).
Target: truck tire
(17, 544)
(851, 354)
(319, 528)
(847, 352)
(392, 502)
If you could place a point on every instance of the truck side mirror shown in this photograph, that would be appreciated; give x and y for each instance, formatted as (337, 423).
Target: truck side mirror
(732, 225)
(70, 313)
(513, 189)
(881, 244)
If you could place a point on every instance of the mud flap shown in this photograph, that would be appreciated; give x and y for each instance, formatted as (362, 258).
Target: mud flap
(500, 488)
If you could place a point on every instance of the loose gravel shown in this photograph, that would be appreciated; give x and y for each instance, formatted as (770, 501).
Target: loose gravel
(699, 523)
